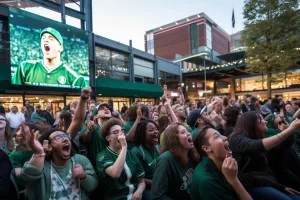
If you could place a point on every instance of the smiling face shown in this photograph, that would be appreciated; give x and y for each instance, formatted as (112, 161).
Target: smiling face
(51, 48)
(60, 145)
(151, 134)
(288, 108)
(185, 138)
(217, 145)
(261, 125)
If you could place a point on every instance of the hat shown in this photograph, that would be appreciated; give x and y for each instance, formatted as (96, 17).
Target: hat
(54, 33)
(248, 95)
(38, 106)
(192, 117)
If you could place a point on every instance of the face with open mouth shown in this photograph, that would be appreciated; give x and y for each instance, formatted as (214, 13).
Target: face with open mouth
(185, 138)
(61, 144)
(152, 134)
(217, 145)
(104, 112)
(50, 46)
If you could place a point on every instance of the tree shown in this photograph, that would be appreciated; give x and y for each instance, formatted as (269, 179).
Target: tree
(272, 37)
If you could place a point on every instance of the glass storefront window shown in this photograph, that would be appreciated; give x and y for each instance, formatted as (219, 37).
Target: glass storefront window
(117, 101)
(237, 84)
(9, 100)
(143, 68)
(149, 101)
(251, 83)
(171, 80)
(222, 87)
(111, 64)
(44, 100)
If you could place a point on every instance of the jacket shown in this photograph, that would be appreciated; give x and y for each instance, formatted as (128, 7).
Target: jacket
(38, 182)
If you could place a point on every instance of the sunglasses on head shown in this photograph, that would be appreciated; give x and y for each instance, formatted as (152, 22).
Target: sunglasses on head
(282, 122)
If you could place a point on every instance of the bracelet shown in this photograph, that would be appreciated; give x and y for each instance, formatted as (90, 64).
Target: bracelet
(39, 155)
(83, 178)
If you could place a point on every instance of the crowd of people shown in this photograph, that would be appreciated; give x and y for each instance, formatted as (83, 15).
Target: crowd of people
(179, 149)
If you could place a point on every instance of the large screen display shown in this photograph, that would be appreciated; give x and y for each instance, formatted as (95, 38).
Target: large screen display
(47, 53)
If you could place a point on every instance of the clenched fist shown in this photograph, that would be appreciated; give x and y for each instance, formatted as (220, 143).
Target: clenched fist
(77, 171)
(86, 93)
(230, 169)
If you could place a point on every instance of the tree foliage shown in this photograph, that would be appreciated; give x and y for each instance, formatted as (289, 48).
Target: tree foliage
(272, 36)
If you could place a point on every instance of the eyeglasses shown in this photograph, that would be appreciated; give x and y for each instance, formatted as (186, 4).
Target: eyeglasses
(117, 132)
(61, 137)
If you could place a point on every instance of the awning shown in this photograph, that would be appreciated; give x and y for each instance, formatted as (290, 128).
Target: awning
(232, 56)
(121, 88)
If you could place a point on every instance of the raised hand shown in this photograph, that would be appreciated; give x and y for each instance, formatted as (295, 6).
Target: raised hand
(230, 169)
(122, 140)
(86, 93)
(77, 171)
(295, 125)
(34, 144)
(139, 112)
(91, 126)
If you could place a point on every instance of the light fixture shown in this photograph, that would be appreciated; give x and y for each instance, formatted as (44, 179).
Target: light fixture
(160, 28)
(193, 85)
(198, 15)
(176, 23)
(182, 84)
(187, 19)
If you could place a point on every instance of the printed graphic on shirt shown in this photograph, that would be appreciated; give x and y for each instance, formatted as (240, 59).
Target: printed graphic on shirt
(187, 179)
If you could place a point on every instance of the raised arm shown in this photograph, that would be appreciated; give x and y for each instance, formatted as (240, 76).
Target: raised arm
(230, 170)
(131, 133)
(170, 111)
(116, 169)
(79, 113)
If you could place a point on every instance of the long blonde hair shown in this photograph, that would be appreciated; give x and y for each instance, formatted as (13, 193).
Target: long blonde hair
(171, 143)
(9, 137)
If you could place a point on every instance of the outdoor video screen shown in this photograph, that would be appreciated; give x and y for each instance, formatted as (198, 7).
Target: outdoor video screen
(47, 53)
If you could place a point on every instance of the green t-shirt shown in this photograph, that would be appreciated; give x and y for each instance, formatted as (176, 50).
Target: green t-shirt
(33, 72)
(124, 186)
(170, 179)
(126, 127)
(195, 132)
(18, 159)
(95, 145)
(147, 158)
(209, 183)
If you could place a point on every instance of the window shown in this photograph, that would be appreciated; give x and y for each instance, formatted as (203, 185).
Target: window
(111, 64)
(194, 37)
(150, 43)
(251, 83)
(208, 36)
(171, 80)
(145, 69)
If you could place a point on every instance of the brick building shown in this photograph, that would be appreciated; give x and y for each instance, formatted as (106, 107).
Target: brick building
(188, 36)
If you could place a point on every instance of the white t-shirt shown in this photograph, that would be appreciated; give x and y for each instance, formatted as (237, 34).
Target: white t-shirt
(15, 119)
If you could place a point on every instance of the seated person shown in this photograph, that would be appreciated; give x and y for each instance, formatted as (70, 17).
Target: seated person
(215, 177)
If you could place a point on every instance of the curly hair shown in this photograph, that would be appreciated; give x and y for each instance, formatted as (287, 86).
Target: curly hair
(171, 143)
(107, 126)
(140, 132)
(130, 114)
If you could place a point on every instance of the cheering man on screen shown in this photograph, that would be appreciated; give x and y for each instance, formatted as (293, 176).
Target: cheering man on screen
(50, 71)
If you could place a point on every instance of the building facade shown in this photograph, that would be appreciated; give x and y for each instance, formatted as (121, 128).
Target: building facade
(188, 36)
(116, 71)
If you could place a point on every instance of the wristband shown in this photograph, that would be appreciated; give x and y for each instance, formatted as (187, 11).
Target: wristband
(39, 155)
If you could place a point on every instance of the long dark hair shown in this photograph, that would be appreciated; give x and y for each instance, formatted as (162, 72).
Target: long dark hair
(231, 114)
(247, 124)
(140, 132)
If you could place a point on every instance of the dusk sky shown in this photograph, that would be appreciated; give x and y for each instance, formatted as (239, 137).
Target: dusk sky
(122, 20)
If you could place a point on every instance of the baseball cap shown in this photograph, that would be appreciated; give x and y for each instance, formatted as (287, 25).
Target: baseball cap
(192, 117)
(248, 95)
(54, 33)
(38, 106)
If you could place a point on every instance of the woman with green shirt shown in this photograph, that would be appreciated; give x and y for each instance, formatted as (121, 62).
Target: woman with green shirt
(174, 168)
(147, 150)
(119, 170)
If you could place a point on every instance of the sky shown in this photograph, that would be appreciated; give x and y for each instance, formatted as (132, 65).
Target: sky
(124, 20)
